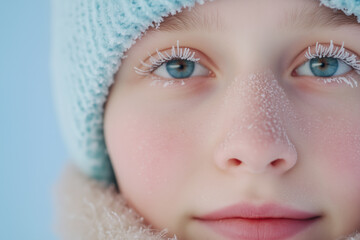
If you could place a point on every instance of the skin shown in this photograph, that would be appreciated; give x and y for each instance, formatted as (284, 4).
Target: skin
(249, 131)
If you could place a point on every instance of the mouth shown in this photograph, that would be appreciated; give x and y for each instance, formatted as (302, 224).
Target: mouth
(248, 222)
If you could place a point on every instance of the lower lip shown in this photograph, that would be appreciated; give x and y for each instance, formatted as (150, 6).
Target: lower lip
(258, 229)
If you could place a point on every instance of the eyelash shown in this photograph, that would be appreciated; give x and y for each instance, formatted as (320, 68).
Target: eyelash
(341, 54)
(337, 53)
(179, 53)
(186, 54)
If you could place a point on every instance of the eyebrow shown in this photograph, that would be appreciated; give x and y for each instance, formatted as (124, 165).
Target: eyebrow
(307, 16)
(191, 20)
(317, 17)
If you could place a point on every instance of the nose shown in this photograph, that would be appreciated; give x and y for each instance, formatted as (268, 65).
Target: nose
(256, 157)
(255, 140)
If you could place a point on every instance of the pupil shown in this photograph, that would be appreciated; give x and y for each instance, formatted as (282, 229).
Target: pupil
(181, 65)
(323, 64)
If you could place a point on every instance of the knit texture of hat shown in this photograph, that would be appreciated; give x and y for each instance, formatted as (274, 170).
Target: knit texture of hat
(89, 39)
(349, 7)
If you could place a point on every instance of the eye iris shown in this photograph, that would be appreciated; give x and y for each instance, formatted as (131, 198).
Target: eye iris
(179, 68)
(324, 67)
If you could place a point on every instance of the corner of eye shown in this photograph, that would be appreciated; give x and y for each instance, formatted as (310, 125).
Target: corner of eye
(212, 74)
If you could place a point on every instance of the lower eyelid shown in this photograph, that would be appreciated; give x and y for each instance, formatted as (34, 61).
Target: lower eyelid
(195, 83)
(346, 81)
(350, 80)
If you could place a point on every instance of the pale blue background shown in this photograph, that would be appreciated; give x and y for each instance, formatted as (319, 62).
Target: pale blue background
(31, 149)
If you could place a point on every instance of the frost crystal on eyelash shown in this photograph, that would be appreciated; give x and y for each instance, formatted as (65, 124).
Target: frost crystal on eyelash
(157, 81)
(352, 82)
(178, 53)
(339, 53)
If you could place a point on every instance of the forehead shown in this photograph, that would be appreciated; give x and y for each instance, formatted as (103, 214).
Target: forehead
(287, 14)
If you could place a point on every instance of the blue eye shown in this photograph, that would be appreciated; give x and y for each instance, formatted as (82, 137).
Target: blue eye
(323, 67)
(180, 69)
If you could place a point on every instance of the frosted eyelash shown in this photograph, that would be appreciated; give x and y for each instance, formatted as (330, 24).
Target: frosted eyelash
(339, 53)
(351, 81)
(178, 53)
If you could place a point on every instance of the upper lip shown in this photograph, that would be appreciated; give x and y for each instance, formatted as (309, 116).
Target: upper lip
(250, 211)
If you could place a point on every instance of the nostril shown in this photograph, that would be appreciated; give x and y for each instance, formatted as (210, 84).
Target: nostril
(234, 162)
(277, 162)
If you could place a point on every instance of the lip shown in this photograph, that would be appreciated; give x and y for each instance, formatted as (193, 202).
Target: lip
(249, 222)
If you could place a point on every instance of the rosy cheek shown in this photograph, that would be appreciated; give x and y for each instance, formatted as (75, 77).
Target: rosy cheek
(149, 158)
(338, 143)
(344, 153)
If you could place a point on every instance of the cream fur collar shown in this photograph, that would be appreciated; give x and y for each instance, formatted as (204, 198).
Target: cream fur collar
(86, 210)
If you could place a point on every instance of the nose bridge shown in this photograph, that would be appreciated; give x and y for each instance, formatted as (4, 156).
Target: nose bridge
(256, 134)
(256, 103)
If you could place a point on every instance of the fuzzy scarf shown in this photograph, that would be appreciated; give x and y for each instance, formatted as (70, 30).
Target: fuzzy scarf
(85, 209)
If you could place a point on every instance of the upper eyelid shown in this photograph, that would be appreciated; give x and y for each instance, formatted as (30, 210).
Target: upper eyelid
(164, 56)
(147, 60)
(301, 57)
(148, 65)
(203, 60)
(331, 50)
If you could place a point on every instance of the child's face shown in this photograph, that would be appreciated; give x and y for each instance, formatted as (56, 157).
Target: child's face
(251, 124)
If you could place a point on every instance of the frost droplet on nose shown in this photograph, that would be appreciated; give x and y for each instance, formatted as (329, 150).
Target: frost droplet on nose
(264, 108)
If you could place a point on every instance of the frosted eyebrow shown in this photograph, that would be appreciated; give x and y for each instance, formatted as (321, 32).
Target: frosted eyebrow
(191, 20)
(317, 17)
(309, 16)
